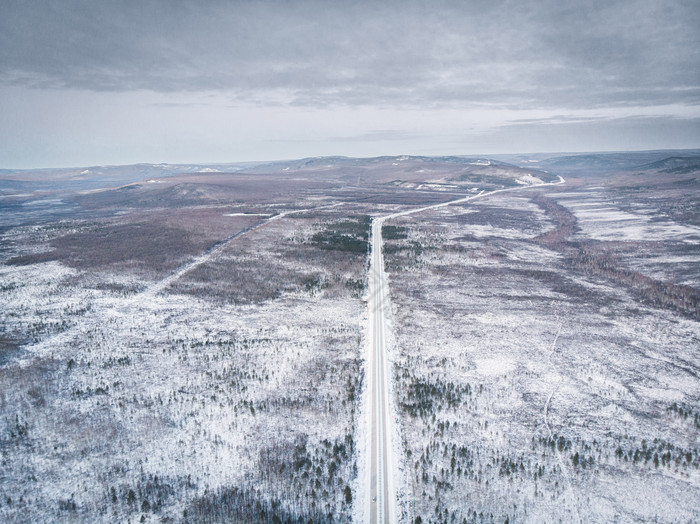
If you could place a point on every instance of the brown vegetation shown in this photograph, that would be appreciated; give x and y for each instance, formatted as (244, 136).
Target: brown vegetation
(592, 258)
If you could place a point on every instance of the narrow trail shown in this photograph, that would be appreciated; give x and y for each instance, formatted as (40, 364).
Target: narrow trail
(157, 287)
(562, 465)
(210, 253)
(551, 394)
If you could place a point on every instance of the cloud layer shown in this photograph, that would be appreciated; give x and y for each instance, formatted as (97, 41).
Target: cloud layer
(415, 53)
(121, 81)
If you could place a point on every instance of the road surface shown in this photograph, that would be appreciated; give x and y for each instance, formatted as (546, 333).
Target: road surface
(382, 493)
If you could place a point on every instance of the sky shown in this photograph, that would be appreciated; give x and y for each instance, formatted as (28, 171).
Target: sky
(94, 82)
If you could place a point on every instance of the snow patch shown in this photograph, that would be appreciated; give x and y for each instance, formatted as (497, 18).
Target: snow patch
(529, 180)
(247, 215)
(492, 367)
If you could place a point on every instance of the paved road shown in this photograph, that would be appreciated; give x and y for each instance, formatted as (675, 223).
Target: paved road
(382, 493)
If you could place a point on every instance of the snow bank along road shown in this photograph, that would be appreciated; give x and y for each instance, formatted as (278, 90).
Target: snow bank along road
(381, 504)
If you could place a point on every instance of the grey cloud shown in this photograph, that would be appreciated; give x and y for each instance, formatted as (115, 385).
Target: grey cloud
(557, 119)
(617, 134)
(380, 135)
(416, 53)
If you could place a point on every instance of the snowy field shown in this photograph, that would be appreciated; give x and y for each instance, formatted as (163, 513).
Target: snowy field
(120, 403)
(532, 391)
(194, 350)
(663, 249)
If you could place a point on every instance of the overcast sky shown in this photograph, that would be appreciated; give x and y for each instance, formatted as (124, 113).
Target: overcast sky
(86, 82)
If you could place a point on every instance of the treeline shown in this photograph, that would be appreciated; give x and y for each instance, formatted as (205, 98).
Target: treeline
(394, 232)
(424, 399)
(246, 505)
(311, 481)
(591, 258)
(685, 413)
(683, 299)
(564, 223)
(659, 453)
(350, 235)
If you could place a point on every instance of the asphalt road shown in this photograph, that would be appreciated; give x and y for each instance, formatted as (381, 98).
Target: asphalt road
(382, 493)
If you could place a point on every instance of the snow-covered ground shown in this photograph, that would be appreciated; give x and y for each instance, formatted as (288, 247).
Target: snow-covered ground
(117, 405)
(595, 217)
(225, 381)
(664, 249)
(494, 330)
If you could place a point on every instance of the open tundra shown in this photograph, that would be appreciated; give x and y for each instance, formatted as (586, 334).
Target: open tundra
(232, 387)
(182, 345)
(548, 366)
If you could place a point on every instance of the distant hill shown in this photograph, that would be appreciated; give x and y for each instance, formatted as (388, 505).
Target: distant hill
(675, 164)
(442, 173)
(597, 163)
(117, 174)
(582, 162)
(335, 162)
